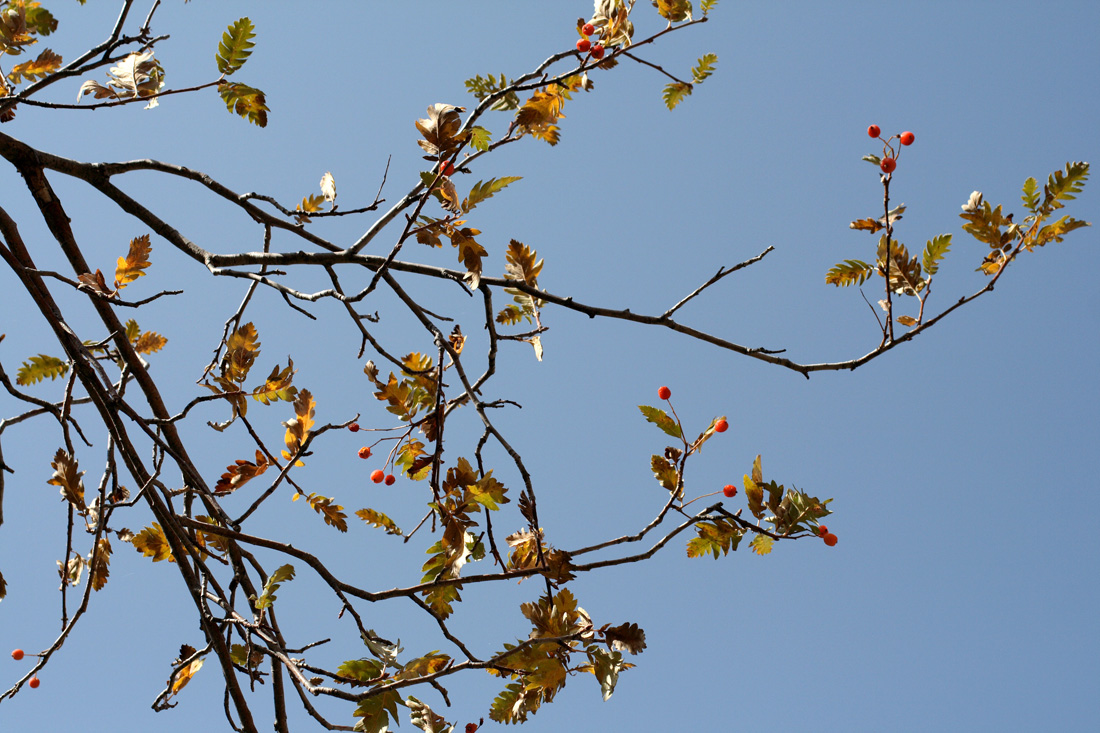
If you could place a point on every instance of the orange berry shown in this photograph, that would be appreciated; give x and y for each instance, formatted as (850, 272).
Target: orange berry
(378, 475)
(721, 426)
(354, 427)
(447, 168)
(583, 45)
(822, 530)
(364, 452)
(873, 131)
(729, 490)
(888, 165)
(390, 479)
(907, 138)
(17, 654)
(588, 29)
(664, 393)
(597, 52)
(830, 539)
(34, 682)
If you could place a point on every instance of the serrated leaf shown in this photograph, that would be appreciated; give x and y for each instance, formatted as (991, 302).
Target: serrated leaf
(46, 63)
(480, 138)
(430, 663)
(374, 712)
(707, 5)
(934, 251)
(661, 419)
(99, 564)
(333, 513)
(236, 46)
(1031, 195)
(277, 386)
(482, 87)
(627, 637)
(716, 538)
(704, 68)
(441, 130)
(281, 575)
(134, 264)
(151, 542)
(240, 473)
(71, 481)
(378, 519)
(38, 368)
(1061, 186)
(849, 272)
(96, 282)
(762, 544)
(665, 472)
(539, 114)
(485, 189)
(425, 719)
(674, 11)
(675, 93)
(245, 101)
(298, 427)
(522, 264)
(149, 342)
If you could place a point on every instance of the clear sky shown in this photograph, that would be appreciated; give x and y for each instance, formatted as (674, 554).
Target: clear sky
(962, 594)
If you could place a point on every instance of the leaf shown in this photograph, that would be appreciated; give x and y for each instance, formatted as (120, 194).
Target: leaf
(522, 264)
(3, 587)
(96, 282)
(425, 719)
(139, 75)
(675, 93)
(236, 46)
(674, 11)
(849, 272)
(38, 368)
(441, 130)
(297, 428)
(1054, 231)
(277, 386)
(480, 138)
(706, 5)
(428, 664)
(281, 575)
(72, 572)
(762, 544)
(704, 68)
(70, 480)
(985, 222)
(470, 253)
(245, 101)
(151, 542)
(239, 474)
(132, 266)
(482, 87)
(934, 252)
(99, 564)
(374, 712)
(184, 675)
(666, 473)
(539, 114)
(661, 419)
(149, 342)
(332, 513)
(97, 90)
(626, 637)
(1031, 195)
(328, 188)
(310, 205)
(1062, 186)
(905, 272)
(754, 491)
(717, 538)
(907, 320)
(241, 350)
(606, 666)
(47, 62)
(485, 189)
(361, 670)
(378, 519)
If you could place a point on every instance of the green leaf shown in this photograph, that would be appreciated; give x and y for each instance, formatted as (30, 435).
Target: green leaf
(374, 712)
(704, 68)
(1062, 186)
(236, 46)
(1054, 231)
(378, 519)
(480, 138)
(666, 474)
(362, 670)
(606, 666)
(717, 538)
(849, 272)
(38, 368)
(483, 190)
(1031, 194)
(281, 575)
(934, 252)
(245, 101)
(661, 419)
(706, 5)
(675, 92)
(481, 88)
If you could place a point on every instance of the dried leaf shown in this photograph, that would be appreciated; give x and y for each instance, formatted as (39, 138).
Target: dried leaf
(68, 478)
(441, 130)
(626, 637)
(132, 266)
(298, 427)
(151, 542)
(240, 473)
(99, 564)
(328, 188)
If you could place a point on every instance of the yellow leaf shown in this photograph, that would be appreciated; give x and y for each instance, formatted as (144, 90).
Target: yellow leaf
(151, 542)
(99, 564)
(762, 544)
(149, 342)
(184, 675)
(46, 62)
(297, 428)
(131, 266)
(68, 478)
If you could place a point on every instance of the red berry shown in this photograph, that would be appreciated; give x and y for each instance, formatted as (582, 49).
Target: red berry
(873, 131)
(888, 165)
(377, 475)
(583, 45)
(588, 29)
(830, 539)
(354, 427)
(472, 727)
(721, 426)
(447, 168)
(34, 682)
(822, 530)
(664, 393)
(364, 452)
(729, 490)
(597, 52)
(17, 654)
(907, 138)
(390, 479)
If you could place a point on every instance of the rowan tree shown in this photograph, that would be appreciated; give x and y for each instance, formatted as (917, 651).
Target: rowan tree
(426, 304)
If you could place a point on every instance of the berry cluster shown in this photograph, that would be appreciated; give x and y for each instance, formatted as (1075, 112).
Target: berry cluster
(585, 45)
(34, 682)
(377, 475)
(889, 160)
(824, 533)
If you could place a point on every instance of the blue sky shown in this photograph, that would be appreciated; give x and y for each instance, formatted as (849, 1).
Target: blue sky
(959, 596)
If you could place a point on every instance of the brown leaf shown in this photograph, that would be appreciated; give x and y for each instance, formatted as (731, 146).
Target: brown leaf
(132, 266)
(626, 637)
(99, 564)
(240, 473)
(440, 129)
(69, 479)
(96, 282)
